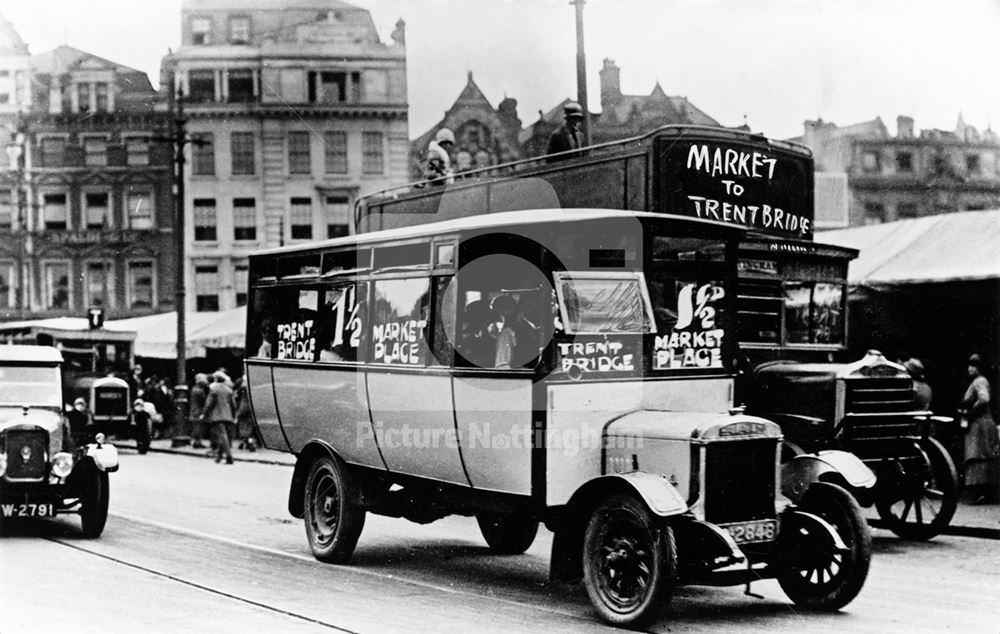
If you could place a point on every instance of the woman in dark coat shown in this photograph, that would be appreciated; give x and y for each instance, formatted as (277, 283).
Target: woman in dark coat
(982, 443)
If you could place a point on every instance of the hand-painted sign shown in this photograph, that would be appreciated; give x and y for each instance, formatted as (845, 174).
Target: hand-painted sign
(696, 338)
(296, 340)
(596, 356)
(399, 341)
(766, 189)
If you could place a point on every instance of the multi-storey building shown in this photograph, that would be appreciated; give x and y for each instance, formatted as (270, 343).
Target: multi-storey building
(906, 175)
(86, 206)
(296, 108)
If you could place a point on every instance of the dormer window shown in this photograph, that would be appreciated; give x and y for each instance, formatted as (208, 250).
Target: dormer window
(239, 30)
(201, 31)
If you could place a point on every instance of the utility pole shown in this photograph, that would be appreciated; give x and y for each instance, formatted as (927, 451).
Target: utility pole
(581, 70)
(179, 140)
(180, 292)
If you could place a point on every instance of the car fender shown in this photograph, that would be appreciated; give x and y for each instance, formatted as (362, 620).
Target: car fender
(105, 456)
(832, 465)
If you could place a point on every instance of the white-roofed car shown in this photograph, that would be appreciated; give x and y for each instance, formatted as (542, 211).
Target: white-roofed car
(41, 474)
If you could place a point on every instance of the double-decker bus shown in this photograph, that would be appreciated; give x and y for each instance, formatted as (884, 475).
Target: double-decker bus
(570, 367)
(791, 291)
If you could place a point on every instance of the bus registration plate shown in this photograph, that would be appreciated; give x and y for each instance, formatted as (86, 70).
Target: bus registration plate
(753, 532)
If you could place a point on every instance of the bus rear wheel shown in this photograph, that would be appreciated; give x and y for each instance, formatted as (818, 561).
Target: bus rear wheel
(333, 524)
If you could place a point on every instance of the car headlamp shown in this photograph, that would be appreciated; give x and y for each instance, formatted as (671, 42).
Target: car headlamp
(62, 464)
(3, 463)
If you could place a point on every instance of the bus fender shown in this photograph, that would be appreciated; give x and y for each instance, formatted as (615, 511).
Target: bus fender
(657, 493)
(838, 467)
(303, 463)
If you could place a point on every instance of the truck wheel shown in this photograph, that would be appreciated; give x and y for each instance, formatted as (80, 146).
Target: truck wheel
(333, 524)
(94, 497)
(629, 562)
(507, 535)
(815, 575)
(927, 496)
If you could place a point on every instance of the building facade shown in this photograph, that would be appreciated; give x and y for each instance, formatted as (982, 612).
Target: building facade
(486, 136)
(295, 108)
(908, 175)
(86, 206)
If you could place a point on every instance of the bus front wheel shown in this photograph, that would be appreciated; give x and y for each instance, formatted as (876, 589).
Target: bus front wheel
(333, 523)
(629, 562)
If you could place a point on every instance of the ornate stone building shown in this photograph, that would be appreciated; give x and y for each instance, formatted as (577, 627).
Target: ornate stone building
(86, 207)
(299, 108)
(485, 135)
(907, 175)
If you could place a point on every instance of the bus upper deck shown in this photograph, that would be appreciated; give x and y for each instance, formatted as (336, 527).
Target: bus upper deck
(792, 291)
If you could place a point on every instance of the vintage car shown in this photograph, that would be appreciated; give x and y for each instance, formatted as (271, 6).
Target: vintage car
(866, 408)
(110, 408)
(38, 476)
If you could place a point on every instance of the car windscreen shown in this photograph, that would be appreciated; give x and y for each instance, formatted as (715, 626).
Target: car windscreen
(30, 385)
(604, 303)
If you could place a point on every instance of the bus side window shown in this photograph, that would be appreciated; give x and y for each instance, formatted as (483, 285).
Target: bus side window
(296, 324)
(262, 328)
(400, 318)
(341, 322)
(444, 319)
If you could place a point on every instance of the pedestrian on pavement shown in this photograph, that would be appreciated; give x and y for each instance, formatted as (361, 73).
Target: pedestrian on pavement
(568, 136)
(199, 392)
(437, 168)
(244, 418)
(220, 408)
(982, 443)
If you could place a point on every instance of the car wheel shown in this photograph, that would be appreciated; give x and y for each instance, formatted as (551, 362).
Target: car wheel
(629, 562)
(94, 497)
(927, 495)
(507, 535)
(813, 572)
(333, 524)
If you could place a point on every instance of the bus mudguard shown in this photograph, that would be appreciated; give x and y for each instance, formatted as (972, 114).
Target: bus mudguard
(660, 497)
(837, 467)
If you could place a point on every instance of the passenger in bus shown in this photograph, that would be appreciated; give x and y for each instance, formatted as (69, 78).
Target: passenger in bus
(568, 136)
(476, 345)
(505, 308)
(438, 165)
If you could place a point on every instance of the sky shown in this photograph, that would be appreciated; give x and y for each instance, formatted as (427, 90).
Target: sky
(769, 63)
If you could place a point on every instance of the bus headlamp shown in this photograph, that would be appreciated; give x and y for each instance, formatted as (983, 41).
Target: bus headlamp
(62, 464)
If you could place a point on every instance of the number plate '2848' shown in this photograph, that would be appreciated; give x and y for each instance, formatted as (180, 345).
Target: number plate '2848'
(753, 532)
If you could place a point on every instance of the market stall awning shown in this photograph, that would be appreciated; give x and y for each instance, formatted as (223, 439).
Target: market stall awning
(961, 246)
(156, 335)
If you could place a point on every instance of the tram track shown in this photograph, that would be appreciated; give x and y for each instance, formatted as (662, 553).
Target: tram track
(191, 584)
(389, 584)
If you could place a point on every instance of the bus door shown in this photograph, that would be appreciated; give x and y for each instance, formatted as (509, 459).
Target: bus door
(502, 324)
